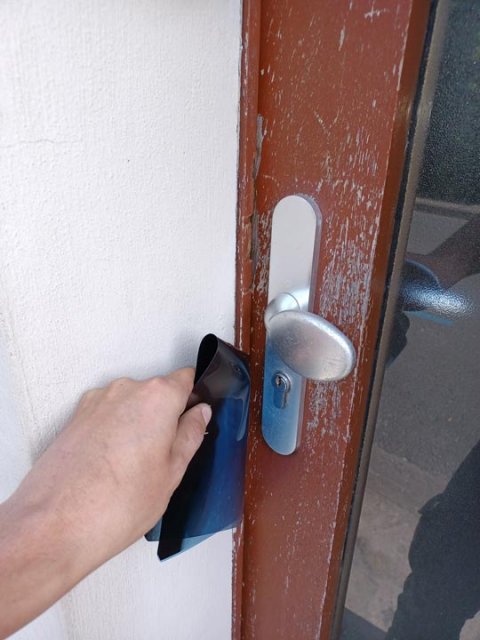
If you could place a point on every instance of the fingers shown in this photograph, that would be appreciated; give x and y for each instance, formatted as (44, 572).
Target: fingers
(169, 394)
(181, 383)
(190, 434)
(89, 395)
(184, 377)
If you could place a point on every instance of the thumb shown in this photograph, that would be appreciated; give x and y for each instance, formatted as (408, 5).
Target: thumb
(190, 434)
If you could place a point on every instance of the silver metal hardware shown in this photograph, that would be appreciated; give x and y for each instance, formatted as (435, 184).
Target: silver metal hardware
(300, 345)
(311, 346)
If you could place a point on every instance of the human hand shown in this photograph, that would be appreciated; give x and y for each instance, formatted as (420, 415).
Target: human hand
(100, 486)
(121, 456)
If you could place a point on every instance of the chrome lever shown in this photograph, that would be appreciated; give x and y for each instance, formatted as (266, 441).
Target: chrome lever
(310, 345)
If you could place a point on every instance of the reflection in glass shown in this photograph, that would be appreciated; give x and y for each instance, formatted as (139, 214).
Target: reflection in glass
(416, 567)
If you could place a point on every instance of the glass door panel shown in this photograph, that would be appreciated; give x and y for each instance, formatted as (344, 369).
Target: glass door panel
(416, 566)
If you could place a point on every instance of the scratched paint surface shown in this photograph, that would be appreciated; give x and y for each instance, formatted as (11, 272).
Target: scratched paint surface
(245, 204)
(331, 97)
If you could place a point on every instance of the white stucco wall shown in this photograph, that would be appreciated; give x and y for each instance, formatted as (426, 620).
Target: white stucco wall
(118, 165)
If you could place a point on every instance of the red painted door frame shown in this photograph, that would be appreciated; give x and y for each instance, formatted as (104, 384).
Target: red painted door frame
(327, 94)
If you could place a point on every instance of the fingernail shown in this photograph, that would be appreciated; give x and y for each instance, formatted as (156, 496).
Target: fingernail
(206, 413)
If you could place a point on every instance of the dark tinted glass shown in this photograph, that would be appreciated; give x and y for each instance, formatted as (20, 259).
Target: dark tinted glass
(416, 567)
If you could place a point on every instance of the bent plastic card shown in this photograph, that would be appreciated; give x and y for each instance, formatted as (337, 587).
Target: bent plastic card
(210, 497)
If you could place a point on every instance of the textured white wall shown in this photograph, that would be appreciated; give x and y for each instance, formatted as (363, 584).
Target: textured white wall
(118, 160)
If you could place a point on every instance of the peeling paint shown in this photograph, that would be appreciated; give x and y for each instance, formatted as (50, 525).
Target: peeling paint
(329, 121)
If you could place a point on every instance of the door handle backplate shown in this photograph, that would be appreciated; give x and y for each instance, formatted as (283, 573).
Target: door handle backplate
(300, 345)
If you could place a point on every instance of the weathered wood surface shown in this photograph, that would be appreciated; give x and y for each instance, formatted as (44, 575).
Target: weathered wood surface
(245, 207)
(337, 81)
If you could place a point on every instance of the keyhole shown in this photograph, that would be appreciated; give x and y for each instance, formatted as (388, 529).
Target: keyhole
(282, 386)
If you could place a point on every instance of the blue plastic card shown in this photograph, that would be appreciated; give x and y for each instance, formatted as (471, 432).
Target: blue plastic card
(210, 497)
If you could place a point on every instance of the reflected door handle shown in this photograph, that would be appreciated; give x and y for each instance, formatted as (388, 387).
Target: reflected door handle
(300, 345)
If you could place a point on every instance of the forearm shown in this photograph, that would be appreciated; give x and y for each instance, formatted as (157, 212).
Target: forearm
(40, 560)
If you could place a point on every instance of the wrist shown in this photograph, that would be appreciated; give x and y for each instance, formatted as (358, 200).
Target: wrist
(36, 533)
(63, 520)
(36, 560)
(46, 536)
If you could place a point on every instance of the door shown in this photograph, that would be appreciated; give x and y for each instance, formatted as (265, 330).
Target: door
(336, 87)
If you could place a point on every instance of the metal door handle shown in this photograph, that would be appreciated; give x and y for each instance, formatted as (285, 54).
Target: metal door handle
(300, 345)
(310, 345)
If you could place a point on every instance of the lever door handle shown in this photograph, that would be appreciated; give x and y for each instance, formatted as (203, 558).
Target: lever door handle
(300, 344)
(310, 345)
